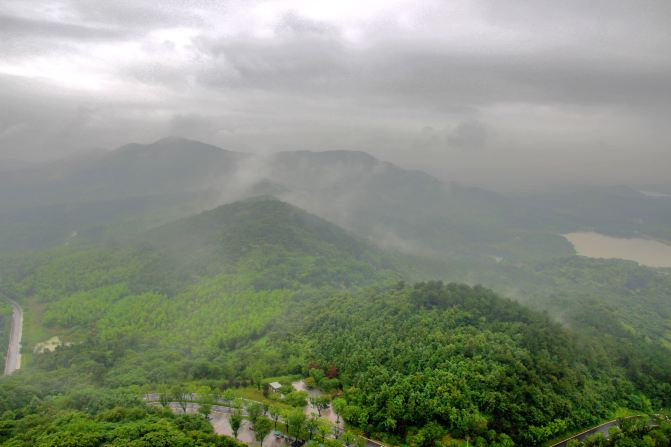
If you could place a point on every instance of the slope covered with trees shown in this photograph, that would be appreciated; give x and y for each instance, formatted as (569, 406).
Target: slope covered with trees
(627, 307)
(269, 236)
(260, 288)
(144, 304)
(430, 359)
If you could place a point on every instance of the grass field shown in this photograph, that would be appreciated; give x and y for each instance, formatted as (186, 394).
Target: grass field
(33, 329)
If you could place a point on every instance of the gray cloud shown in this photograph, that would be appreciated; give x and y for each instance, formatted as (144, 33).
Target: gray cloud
(16, 27)
(468, 135)
(557, 86)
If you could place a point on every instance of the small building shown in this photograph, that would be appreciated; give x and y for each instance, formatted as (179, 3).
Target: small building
(275, 386)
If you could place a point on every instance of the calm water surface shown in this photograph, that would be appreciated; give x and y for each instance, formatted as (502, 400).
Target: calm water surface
(644, 251)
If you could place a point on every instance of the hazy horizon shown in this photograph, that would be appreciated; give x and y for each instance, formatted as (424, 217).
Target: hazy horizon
(499, 96)
(274, 223)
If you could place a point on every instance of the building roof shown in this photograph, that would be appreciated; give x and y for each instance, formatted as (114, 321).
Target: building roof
(275, 385)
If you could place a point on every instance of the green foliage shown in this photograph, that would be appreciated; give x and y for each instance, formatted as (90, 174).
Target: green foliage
(275, 413)
(321, 403)
(283, 246)
(63, 423)
(624, 307)
(323, 429)
(261, 289)
(56, 273)
(236, 422)
(296, 398)
(459, 357)
(262, 427)
(254, 411)
(339, 405)
(205, 410)
(428, 435)
(83, 309)
(295, 420)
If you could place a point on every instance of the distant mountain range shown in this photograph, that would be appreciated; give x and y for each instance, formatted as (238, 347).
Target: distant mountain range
(406, 210)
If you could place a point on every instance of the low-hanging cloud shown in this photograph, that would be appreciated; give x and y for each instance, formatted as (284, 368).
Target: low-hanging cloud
(540, 83)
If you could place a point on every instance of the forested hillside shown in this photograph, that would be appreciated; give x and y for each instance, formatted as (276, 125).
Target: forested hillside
(260, 288)
(424, 360)
(625, 306)
(266, 235)
(202, 285)
(318, 223)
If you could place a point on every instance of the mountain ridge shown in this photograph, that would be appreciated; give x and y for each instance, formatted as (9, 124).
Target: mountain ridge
(267, 232)
(400, 209)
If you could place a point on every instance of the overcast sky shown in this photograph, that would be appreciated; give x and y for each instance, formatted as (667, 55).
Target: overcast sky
(486, 92)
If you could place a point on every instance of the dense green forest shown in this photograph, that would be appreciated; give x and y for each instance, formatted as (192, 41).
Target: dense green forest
(48, 415)
(627, 307)
(429, 359)
(259, 289)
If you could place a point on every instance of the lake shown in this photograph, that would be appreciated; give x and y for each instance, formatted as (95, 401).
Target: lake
(644, 251)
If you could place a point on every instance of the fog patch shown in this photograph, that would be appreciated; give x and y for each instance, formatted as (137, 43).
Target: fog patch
(468, 135)
(247, 179)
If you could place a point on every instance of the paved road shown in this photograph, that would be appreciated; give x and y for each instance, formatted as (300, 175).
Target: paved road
(654, 421)
(13, 361)
(603, 428)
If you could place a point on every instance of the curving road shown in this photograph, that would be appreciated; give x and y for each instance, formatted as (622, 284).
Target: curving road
(603, 428)
(13, 361)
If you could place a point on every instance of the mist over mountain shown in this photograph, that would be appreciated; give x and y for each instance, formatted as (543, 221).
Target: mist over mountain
(396, 208)
(314, 223)
(236, 267)
(168, 166)
(269, 233)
